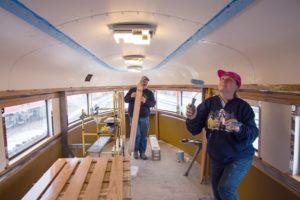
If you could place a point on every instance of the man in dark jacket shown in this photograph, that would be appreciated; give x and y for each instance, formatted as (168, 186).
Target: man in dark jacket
(147, 101)
(231, 130)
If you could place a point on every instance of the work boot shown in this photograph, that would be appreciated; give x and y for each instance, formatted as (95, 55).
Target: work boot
(143, 156)
(136, 155)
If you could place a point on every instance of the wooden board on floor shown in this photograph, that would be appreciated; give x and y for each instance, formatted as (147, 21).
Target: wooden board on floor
(155, 149)
(87, 178)
(96, 148)
(115, 186)
(135, 117)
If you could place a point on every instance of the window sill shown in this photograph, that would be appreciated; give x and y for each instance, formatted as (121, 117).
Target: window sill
(22, 158)
(288, 181)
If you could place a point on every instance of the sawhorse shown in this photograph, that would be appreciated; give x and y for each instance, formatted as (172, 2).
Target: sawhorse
(199, 146)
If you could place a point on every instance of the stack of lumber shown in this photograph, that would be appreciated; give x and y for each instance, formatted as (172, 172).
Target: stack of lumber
(84, 178)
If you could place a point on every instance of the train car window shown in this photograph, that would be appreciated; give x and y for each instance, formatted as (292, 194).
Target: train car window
(126, 104)
(256, 110)
(187, 98)
(25, 125)
(76, 103)
(101, 102)
(295, 142)
(167, 100)
(50, 116)
(256, 107)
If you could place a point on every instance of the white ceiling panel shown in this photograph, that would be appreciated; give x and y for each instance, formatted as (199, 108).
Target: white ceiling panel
(262, 38)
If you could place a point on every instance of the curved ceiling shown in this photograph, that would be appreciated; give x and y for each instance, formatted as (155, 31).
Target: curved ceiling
(56, 43)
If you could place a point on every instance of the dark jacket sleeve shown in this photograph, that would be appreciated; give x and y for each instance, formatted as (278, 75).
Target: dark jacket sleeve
(195, 125)
(128, 97)
(150, 102)
(248, 131)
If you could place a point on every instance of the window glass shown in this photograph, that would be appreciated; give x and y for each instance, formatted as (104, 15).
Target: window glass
(187, 98)
(102, 101)
(256, 110)
(50, 116)
(25, 125)
(167, 100)
(295, 143)
(76, 103)
(126, 104)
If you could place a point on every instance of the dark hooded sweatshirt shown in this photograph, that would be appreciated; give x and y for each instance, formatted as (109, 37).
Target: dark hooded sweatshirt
(222, 145)
(145, 107)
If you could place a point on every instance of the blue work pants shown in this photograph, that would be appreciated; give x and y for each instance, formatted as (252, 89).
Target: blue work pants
(227, 177)
(141, 135)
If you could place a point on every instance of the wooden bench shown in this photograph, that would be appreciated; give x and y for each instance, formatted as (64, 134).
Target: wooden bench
(97, 147)
(84, 178)
(155, 149)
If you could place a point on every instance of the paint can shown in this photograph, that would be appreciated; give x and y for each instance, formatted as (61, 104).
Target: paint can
(180, 156)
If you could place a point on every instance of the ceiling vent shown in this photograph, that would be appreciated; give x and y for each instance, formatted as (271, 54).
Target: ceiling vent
(88, 77)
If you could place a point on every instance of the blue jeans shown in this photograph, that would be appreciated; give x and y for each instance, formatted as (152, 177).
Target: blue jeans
(227, 177)
(141, 135)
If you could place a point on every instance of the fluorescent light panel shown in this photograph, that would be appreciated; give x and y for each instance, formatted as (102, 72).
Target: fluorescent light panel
(138, 37)
(134, 60)
(134, 68)
(132, 33)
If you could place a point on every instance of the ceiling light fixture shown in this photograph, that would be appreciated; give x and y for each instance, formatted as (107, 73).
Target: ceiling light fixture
(134, 68)
(134, 59)
(134, 33)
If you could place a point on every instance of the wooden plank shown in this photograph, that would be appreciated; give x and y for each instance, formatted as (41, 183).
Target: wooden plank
(97, 147)
(126, 180)
(204, 158)
(155, 149)
(121, 116)
(94, 186)
(203, 178)
(153, 142)
(59, 182)
(74, 188)
(156, 121)
(79, 146)
(94, 178)
(39, 187)
(135, 117)
(115, 188)
(23, 100)
(274, 97)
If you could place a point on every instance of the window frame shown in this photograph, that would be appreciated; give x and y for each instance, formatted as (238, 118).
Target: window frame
(86, 111)
(47, 135)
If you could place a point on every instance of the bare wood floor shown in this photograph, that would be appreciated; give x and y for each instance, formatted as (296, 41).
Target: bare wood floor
(164, 179)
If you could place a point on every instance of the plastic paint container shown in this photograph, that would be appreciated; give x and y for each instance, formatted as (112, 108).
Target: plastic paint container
(180, 156)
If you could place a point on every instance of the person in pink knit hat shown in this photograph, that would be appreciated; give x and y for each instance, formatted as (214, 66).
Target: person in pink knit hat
(230, 131)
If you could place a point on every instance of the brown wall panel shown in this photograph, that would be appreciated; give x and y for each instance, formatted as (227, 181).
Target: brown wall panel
(257, 185)
(17, 184)
(172, 130)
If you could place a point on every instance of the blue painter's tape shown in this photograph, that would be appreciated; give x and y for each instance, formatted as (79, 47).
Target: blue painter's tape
(21, 11)
(222, 16)
(197, 82)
